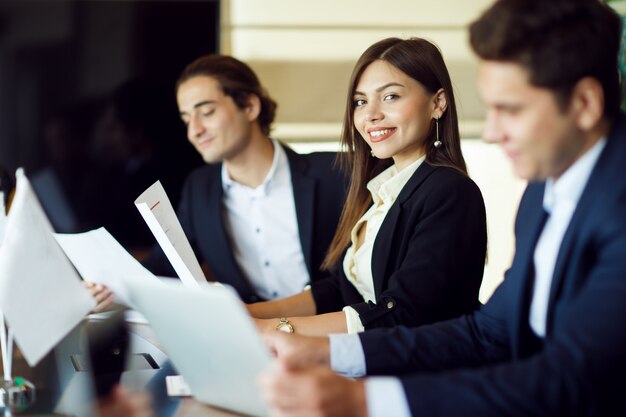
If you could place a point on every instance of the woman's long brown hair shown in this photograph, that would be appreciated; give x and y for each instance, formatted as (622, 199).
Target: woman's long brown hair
(422, 61)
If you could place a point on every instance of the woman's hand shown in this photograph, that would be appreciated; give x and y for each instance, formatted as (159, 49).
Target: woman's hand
(102, 295)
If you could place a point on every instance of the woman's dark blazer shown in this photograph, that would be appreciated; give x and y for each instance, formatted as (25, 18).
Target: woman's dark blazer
(428, 256)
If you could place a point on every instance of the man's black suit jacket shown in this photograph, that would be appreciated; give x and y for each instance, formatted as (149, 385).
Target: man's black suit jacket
(318, 190)
(494, 364)
(428, 255)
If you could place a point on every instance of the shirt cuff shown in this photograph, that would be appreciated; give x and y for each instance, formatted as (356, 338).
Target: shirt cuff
(385, 397)
(353, 320)
(346, 355)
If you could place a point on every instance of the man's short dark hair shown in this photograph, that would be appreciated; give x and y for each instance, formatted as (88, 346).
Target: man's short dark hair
(558, 42)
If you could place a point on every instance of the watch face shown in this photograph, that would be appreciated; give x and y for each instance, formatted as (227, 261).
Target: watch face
(283, 327)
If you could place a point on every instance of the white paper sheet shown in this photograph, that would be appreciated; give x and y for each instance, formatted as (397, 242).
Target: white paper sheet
(100, 258)
(3, 334)
(40, 293)
(158, 213)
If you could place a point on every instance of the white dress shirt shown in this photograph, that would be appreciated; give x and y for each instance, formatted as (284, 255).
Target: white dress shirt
(357, 265)
(385, 395)
(263, 229)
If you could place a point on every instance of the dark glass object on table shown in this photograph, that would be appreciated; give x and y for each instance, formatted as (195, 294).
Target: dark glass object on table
(108, 347)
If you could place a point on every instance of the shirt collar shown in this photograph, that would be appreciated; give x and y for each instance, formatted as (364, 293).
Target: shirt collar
(387, 185)
(279, 162)
(571, 184)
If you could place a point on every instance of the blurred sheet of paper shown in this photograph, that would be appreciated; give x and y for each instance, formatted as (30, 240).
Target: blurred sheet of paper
(100, 258)
(40, 291)
(158, 213)
(131, 316)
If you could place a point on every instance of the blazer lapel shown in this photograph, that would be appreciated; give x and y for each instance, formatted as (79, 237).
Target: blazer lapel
(384, 238)
(304, 199)
(531, 224)
(600, 176)
(565, 250)
(212, 225)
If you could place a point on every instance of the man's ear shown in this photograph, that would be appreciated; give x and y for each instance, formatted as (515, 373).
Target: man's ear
(587, 102)
(253, 107)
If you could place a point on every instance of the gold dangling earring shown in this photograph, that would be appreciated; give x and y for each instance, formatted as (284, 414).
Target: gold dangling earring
(437, 141)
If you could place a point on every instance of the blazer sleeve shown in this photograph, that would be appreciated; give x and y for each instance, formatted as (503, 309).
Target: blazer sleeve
(331, 293)
(579, 370)
(440, 243)
(468, 341)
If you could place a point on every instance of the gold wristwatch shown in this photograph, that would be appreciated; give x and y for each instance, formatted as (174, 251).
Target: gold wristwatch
(284, 325)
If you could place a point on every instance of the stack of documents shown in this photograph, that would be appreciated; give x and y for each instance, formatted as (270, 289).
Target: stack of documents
(40, 291)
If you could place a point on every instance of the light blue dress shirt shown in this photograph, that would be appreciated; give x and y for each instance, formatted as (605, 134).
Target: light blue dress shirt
(560, 199)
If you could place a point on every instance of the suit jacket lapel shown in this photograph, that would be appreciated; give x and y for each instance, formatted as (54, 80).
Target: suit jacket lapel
(564, 254)
(212, 225)
(600, 176)
(384, 238)
(530, 225)
(304, 199)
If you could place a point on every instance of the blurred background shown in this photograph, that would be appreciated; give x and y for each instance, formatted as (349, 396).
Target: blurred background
(87, 101)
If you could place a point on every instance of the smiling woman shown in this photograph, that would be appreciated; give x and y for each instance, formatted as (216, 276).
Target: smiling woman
(412, 236)
(394, 113)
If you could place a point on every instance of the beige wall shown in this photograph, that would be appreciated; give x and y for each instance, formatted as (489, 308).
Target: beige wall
(303, 52)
